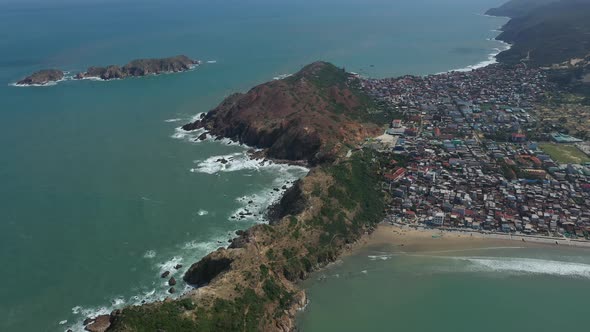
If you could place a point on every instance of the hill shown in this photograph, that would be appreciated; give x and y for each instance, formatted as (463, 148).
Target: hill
(313, 115)
(545, 32)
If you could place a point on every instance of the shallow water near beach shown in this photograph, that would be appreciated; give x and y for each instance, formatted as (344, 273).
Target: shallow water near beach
(101, 193)
(492, 289)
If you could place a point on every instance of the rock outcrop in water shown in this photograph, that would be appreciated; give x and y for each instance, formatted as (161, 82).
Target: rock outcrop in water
(42, 77)
(312, 115)
(141, 67)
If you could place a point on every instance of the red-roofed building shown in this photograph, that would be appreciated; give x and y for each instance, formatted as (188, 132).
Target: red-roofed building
(516, 137)
(396, 175)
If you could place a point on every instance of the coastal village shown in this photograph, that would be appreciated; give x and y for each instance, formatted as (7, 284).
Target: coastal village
(467, 154)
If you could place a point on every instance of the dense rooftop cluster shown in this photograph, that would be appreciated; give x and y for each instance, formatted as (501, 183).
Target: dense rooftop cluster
(517, 86)
(461, 157)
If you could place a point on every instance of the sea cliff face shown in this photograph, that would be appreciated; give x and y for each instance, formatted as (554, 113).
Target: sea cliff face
(312, 115)
(140, 67)
(42, 77)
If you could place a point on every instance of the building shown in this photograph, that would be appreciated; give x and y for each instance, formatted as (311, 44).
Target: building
(438, 219)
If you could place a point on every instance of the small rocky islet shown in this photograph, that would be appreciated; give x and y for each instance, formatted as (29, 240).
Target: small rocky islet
(42, 77)
(135, 68)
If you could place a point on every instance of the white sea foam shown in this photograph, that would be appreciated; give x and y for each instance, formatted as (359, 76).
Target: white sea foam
(380, 257)
(203, 212)
(98, 79)
(173, 120)
(52, 83)
(202, 248)
(170, 264)
(189, 136)
(237, 162)
(63, 322)
(253, 206)
(118, 302)
(149, 254)
(528, 266)
(281, 77)
(229, 163)
(212, 61)
(197, 116)
(489, 61)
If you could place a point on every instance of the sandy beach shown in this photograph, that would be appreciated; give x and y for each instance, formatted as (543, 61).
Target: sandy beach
(415, 239)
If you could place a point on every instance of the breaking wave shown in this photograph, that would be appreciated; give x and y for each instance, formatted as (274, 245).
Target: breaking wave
(281, 77)
(253, 206)
(528, 266)
(149, 254)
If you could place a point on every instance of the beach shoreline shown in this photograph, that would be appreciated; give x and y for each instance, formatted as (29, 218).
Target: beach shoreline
(408, 238)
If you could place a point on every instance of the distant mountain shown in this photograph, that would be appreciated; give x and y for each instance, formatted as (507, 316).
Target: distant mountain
(545, 32)
(516, 8)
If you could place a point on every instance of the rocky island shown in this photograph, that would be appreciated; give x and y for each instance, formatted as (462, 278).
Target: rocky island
(140, 67)
(42, 77)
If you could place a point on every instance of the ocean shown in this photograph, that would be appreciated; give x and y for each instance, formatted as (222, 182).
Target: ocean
(100, 190)
(493, 289)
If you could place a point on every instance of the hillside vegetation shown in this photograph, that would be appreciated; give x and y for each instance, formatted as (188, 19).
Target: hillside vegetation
(545, 32)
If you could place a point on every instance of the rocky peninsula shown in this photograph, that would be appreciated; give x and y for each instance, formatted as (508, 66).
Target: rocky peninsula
(319, 115)
(141, 67)
(42, 77)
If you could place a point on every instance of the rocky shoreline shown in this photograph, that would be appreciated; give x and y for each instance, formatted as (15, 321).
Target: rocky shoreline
(140, 67)
(312, 115)
(135, 68)
(42, 77)
(253, 283)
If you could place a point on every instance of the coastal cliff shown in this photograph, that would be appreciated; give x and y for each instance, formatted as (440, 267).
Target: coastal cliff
(544, 32)
(252, 284)
(313, 115)
(42, 77)
(140, 67)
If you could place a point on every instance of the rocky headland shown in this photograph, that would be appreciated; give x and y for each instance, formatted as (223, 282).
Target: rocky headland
(317, 115)
(544, 32)
(313, 115)
(42, 77)
(140, 67)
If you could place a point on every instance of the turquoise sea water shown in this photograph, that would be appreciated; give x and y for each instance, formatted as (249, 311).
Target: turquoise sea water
(100, 193)
(510, 289)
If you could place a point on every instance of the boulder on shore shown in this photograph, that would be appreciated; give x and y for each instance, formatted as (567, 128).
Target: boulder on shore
(100, 324)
